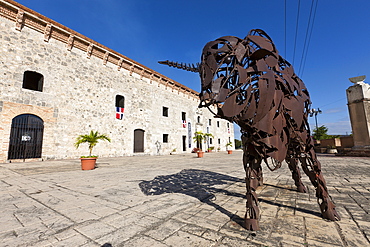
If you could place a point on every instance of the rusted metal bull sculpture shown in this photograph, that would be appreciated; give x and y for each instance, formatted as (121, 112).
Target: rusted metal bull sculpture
(253, 86)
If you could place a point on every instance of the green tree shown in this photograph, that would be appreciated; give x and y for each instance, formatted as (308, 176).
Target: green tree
(92, 139)
(320, 133)
(238, 143)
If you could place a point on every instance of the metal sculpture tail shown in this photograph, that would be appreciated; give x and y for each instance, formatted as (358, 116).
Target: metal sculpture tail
(187, 67)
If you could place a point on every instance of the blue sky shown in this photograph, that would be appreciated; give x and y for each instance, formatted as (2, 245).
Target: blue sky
(149, 31)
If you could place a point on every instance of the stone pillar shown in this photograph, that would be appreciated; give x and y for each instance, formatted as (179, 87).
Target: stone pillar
(358, 97)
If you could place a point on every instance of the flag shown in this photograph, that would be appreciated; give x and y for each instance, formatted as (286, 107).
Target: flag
(119, 112)
(184, 123)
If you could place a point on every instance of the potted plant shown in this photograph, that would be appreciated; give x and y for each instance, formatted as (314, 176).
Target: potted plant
(200, 153)
(206, 137)
(88, 162)
(229, 144)
(198, 138)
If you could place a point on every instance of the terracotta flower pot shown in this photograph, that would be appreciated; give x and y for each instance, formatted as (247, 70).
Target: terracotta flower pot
(229, 151)
(88, 163)
(200, 154)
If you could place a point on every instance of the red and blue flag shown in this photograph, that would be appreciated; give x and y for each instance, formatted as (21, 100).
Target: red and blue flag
(119, 112)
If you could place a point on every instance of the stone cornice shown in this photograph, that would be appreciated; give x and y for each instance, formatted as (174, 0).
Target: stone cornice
(23, 16)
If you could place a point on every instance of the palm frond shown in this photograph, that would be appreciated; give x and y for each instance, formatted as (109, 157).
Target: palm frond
(92, 139)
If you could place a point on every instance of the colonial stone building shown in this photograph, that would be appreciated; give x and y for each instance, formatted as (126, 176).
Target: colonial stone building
(56, 84)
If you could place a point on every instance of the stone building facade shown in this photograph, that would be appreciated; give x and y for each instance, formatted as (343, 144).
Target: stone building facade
(68, 84)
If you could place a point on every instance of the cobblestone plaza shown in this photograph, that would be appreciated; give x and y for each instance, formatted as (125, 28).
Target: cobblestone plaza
(173, 199)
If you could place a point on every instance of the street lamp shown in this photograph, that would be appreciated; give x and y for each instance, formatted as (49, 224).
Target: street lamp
(314, 112)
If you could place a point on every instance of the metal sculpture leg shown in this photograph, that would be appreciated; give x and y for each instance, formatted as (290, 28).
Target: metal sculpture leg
(296, 174)
(253, 171)
(312, 167)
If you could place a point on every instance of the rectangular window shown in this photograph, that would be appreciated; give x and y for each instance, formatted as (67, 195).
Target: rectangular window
(165, 111)
(209, 122)
(165, 138)
(183, 116)
(210, 141)
(120, 101)
(33, 81)
(120, 106)
(218, 123)
(219, 141)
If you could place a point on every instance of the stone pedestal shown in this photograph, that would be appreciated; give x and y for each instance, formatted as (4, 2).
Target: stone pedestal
(358, 97)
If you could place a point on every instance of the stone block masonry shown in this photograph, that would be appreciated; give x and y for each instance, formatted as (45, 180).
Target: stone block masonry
(81, 80)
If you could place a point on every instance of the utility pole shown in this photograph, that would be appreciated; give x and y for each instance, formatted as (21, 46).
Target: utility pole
(314, 112)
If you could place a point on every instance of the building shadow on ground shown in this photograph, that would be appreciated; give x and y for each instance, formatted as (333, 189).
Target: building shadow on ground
(202, 185)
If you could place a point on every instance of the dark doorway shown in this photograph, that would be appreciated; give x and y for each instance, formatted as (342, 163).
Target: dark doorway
(138, 141)
(26, 137)
(183, 143)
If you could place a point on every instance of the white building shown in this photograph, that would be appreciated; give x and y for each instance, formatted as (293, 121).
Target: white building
(56, 84)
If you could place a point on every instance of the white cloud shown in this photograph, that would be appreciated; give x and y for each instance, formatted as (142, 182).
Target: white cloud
(335, 110)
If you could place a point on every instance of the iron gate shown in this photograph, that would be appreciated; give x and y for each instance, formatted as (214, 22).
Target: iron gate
(26, 137)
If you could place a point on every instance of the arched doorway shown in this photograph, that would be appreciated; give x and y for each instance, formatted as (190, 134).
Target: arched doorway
(26, 137)
(138, 141)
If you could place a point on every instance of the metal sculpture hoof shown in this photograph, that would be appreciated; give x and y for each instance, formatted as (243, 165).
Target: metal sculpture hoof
(328, 211)
(251, 224)
(302, 189)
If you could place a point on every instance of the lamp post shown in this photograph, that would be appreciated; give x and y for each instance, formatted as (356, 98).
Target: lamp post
(314, 112)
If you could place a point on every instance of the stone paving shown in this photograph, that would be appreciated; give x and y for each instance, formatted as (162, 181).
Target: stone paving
(176, 200)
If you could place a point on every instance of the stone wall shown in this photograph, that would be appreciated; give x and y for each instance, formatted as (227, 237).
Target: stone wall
(79, 93)
(346, 142)
(334, 142)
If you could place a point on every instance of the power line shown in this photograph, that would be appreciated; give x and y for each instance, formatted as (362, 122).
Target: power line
(296, 30)
(305, 40)
(333, 102)
(285, 28)
(309, 38)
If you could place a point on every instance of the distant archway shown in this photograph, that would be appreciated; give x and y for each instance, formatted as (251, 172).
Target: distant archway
(26, 136)
(139, 141)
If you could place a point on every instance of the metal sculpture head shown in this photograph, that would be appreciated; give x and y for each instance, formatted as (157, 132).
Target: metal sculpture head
(224, 63)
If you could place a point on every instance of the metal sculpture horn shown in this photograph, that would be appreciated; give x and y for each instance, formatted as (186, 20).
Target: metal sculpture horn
(254, 87)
